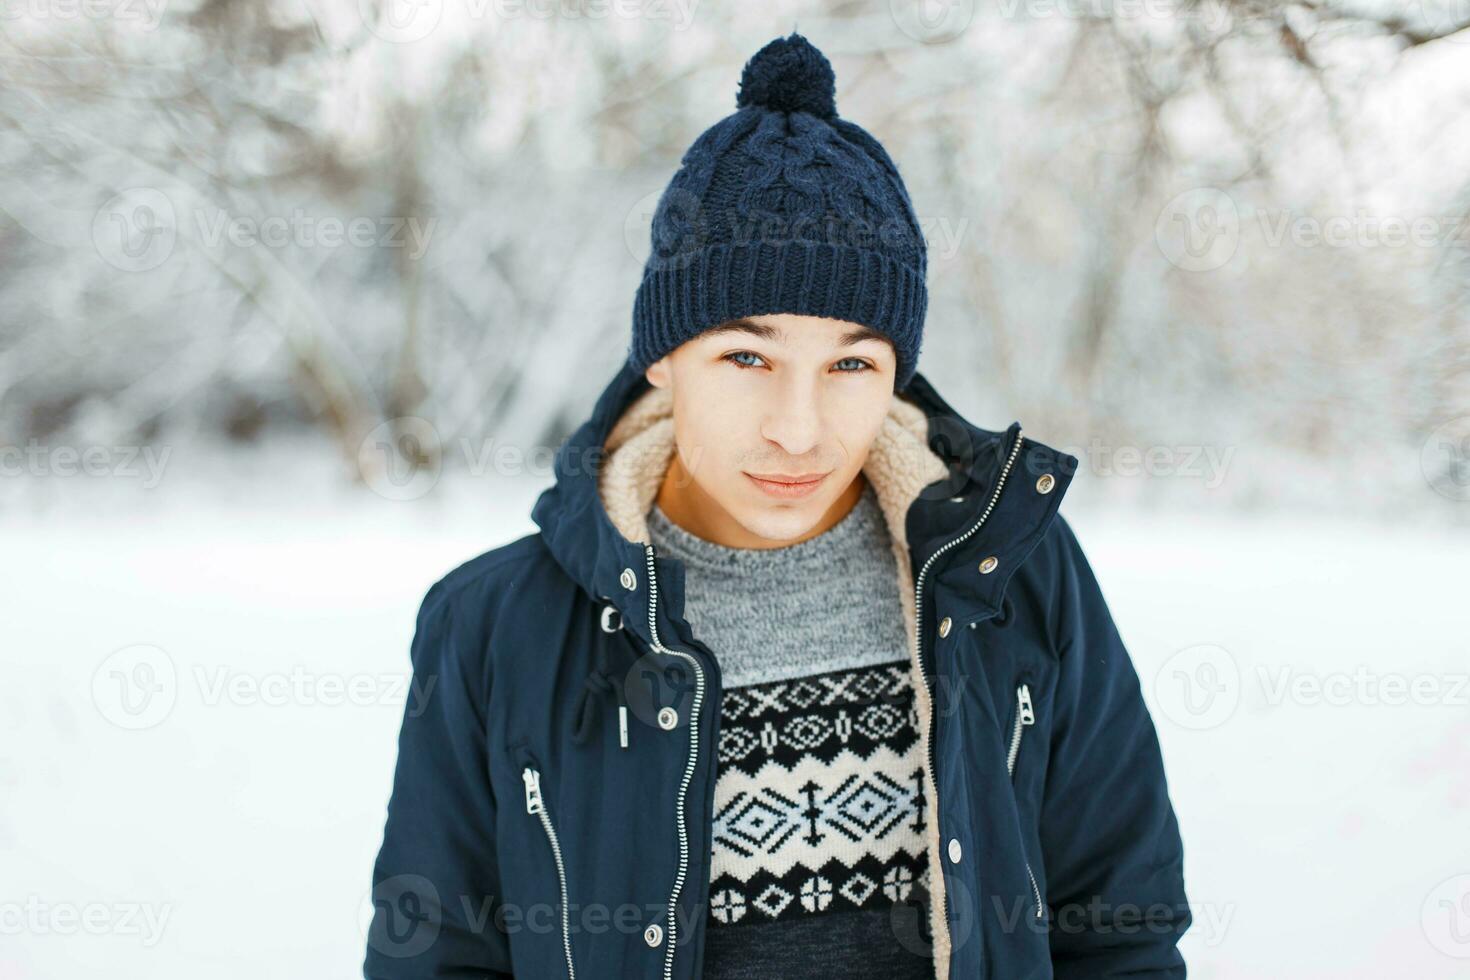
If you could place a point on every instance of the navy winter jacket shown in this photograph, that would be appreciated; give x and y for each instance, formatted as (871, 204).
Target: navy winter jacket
(549, 819)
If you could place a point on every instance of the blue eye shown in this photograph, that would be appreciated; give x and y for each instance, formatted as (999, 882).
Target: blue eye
(731, 359)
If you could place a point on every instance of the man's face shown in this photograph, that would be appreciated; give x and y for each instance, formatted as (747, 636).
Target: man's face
(781, 396)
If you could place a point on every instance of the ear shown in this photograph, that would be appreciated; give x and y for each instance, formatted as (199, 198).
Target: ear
(658, 373)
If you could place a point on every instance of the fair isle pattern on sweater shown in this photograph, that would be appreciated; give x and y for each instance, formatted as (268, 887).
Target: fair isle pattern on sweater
(819, 799)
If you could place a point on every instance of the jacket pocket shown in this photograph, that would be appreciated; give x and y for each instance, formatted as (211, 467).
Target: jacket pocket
(1025, 718)
(536, 806)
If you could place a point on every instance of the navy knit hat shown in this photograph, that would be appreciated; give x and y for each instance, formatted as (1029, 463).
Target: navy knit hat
(782, 207)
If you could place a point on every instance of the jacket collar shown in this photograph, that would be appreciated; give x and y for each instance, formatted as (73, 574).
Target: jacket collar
(934, 472)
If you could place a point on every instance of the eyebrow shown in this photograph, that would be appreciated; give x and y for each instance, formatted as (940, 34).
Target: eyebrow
(768, 332)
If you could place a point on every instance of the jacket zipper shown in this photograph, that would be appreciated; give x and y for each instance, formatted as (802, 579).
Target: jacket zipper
(537, 805)
(1025, 716)
(671, 932)
(919, 637)
(1034, 890)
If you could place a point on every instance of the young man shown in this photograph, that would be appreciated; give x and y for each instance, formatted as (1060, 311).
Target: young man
(803, 673)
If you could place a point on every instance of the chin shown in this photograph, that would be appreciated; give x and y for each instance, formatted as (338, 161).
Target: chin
(783, 521)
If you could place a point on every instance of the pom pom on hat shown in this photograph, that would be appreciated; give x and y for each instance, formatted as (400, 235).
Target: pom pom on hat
(789, 75)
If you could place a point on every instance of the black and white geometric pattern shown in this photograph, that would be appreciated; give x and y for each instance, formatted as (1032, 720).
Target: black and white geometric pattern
(819, 803)
(832, 888)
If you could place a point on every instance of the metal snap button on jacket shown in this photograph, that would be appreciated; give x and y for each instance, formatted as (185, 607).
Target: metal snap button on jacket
(654, 934)
(944, 626)
(1045, 483)
(988, 565)
(954, 849)
(612, 620)
(667, 718)
(629, 580)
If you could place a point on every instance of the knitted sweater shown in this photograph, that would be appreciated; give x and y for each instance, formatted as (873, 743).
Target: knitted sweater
(818, 864)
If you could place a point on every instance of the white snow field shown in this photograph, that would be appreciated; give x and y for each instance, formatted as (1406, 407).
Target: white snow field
(1308, 679)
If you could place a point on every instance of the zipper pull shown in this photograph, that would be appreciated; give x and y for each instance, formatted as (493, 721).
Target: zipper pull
(1023, 701)
(532, 779)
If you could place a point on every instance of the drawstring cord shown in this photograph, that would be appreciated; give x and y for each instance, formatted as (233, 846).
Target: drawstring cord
(601, 680)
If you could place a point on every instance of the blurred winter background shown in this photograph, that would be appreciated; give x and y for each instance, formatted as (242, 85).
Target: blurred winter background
(298, 298)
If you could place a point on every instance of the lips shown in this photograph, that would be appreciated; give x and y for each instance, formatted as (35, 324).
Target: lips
(788, 487)
(778, 478)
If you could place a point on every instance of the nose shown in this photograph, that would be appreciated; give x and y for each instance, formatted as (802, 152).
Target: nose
(793, 420)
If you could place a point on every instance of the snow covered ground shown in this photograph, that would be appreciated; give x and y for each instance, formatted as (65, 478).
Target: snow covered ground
(1308, 679)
